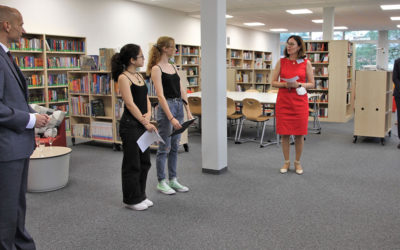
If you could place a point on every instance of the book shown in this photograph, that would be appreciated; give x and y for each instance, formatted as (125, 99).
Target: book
(184, 125)
(97, 106)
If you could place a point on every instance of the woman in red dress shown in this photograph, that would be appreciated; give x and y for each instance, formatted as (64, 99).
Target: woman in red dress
(296, 76)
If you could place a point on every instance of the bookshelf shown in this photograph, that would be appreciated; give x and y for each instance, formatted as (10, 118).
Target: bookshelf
(92, 105)
(44, 60)
(333, 67)
(373, 104)
(248, 69)
(187, 58)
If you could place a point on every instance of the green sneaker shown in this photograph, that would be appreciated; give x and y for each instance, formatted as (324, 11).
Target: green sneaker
(177, 186)
(163, 187)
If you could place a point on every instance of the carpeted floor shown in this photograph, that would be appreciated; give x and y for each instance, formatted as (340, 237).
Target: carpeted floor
(348, 198)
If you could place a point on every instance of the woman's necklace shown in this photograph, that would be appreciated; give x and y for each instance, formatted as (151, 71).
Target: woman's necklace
(135, 74)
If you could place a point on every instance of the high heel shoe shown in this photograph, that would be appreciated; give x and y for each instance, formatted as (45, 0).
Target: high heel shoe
(297, 166)
(285, 167)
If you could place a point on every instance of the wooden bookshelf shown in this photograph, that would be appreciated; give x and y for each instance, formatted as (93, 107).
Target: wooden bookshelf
(187, 58)
(333, 66)
(44, 60)
(248, 69)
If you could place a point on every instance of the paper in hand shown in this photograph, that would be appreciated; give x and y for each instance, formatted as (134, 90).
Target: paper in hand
(293, 79)
(147, 139)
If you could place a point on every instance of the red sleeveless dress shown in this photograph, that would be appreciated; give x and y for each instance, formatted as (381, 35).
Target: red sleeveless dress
(291, 108)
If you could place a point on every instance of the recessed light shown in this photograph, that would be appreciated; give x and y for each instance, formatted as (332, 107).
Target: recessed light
(318, 21)
(340, 28)
(278, 30)
(228, 16)
(299, 11)
(398, 25)
(395, 18)
(254, 24)
(391, 7)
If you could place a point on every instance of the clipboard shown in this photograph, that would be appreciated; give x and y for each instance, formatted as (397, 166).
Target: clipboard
(184, 125)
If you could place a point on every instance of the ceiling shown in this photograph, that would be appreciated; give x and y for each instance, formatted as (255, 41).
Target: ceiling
(354, 14)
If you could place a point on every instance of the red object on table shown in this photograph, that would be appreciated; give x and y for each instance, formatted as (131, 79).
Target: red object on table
(60, 139)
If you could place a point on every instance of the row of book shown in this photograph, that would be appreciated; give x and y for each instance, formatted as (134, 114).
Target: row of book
(321, 83)
(63, 107)
(243, 77)
(193, 81)
(235, 64)
(65, 45)
(320, 70)
(35, 44)
(57, 79)
(102, 130)
(192, 71)
(100, 84)
(248, 55)
(58, 95)
(318, 57)
(190, 60)
(235, 54)
(261, 78)
(79, 85)
(317, 46)
(36, 96)
(29, 62)
(80, 106)
(322, 98)
(190, 51)
(63, 62)
(35, 80)
(80, 130)
(323, 112)
(259, 63)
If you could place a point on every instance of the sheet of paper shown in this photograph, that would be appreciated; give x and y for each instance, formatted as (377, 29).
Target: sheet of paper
(293, 79)
(147, 139)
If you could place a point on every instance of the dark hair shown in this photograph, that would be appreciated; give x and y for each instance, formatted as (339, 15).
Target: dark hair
(302, 51)
(120, 61)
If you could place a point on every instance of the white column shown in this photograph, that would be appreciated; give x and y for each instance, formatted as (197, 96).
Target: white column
(382, 50)
(329, 22)
(213, 86)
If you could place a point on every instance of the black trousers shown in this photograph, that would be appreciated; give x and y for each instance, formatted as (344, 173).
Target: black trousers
(397, 100)
(13, 185)
(135, 164)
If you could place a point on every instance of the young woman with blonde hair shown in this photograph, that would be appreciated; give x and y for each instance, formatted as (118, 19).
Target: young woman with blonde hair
(171, 98)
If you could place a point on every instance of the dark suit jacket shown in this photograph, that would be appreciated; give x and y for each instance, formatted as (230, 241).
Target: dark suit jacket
(16, 141)
(396, 77)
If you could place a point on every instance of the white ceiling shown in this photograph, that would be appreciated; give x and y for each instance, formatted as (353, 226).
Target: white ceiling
(354, 14)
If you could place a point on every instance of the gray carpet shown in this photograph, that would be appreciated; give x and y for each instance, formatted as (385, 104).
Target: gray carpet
(348, 198)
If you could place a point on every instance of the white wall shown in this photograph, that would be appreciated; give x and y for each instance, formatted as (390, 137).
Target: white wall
(113, 23)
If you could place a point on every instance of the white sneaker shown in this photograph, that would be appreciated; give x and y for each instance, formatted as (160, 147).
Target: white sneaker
(164, 188)
(177, 186)
(139, 207)
(148, 202)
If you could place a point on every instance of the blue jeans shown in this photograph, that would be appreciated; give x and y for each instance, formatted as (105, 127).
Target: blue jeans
(170, 148)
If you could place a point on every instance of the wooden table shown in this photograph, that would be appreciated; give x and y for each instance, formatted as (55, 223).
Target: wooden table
(48, 169)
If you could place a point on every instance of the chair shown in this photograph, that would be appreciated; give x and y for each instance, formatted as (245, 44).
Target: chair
(195, 107)
(233, 116)
(60, 139)
(253, 111)
(313, 112)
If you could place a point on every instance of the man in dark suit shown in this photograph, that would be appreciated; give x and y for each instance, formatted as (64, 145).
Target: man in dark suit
(17, 122)
(396, 92)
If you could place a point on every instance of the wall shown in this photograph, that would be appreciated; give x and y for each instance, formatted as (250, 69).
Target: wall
(113, 23)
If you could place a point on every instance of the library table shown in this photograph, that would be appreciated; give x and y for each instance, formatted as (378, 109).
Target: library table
(48, 169)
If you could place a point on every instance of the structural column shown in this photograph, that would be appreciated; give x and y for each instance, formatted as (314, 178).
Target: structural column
(329, 22)
(213, 86)
(382, 51)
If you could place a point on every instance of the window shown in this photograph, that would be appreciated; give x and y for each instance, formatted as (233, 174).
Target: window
(316, 35)
(394, 35)
(361, 35)
(338, 35)
(365, 55)
(285, 36)
(394, 53)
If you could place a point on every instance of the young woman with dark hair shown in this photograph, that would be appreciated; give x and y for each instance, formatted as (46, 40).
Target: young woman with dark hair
(292, 100)
(134, 122)
(171, 98)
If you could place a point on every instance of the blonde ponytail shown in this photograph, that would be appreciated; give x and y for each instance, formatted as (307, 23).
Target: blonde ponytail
(157, 50)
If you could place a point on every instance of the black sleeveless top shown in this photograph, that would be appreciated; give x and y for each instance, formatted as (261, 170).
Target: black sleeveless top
(139, 95)
(171, 84)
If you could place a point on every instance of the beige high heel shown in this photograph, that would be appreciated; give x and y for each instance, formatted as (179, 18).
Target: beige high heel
(297, 166)
(285, 167)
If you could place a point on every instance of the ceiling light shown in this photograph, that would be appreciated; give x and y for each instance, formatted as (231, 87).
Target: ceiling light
(318, 21)
(278, 30)
(340, 28)
(299, 11)
(398, 25)
(395, 18)
(228, 16)
(254, 24)
(391, 7)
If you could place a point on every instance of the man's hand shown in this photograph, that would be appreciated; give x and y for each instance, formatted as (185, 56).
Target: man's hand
(41, 120)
